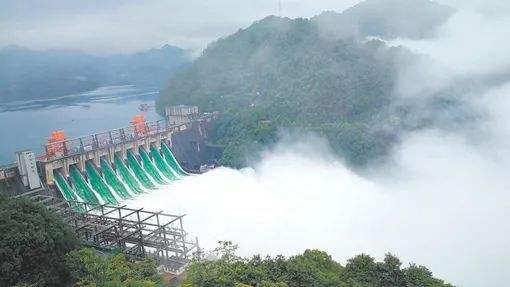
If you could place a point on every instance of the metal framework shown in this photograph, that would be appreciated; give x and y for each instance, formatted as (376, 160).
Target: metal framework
(70, 147)
(138, 233)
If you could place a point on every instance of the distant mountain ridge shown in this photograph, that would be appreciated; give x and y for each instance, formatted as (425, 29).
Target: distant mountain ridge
(26, 74)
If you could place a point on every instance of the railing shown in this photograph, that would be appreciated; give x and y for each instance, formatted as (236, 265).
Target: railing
(87, 143)
(56, 150)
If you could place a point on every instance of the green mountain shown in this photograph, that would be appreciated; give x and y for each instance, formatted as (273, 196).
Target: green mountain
(284, 74)
(27, 74)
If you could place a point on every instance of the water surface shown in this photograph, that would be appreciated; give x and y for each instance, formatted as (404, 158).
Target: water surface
(27, 124)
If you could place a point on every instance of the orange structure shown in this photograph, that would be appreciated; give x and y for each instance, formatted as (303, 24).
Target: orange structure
(139, 124)
(56, 143)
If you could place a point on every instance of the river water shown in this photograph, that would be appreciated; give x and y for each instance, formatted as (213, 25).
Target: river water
(27, 124)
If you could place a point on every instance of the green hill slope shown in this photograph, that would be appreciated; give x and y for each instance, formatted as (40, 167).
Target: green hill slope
(281, 73)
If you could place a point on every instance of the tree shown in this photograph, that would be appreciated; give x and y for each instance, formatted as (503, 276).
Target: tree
(312, 268)
(33, 244)
(362, 269)
(389, 272)
(90, 269)
(420, 276)
(281, 73)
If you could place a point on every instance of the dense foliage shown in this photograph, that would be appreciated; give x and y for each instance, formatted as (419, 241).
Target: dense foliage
(288, 74)
(312, 268)
(38, 249)
(33, 244)
(89, 269)
(281, 73)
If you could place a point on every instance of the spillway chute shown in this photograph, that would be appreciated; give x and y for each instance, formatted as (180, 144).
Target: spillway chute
(127, 175)
(114, 181)
(82, 187)
(161, 164)
(171, 160)
(67, 192)
(99, 185)
(139, 171)
(149, 167)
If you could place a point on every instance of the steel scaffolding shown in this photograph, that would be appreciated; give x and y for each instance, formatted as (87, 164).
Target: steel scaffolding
(138, 233)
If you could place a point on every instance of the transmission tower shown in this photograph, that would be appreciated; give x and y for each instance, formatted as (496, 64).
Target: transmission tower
(280, 8)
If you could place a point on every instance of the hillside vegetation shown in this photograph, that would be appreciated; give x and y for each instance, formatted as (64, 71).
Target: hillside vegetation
(312, 268)
(292, 74)
(38, 249)
(282, 73)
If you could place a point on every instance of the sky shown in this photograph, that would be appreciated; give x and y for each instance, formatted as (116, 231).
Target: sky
(108, 26)
(125, 26)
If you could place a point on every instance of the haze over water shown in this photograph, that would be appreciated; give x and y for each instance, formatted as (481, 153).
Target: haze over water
(27, 124)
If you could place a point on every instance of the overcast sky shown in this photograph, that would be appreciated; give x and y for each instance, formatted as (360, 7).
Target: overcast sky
(108, 26)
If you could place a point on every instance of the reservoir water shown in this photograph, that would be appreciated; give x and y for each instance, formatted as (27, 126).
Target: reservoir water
(27, 124)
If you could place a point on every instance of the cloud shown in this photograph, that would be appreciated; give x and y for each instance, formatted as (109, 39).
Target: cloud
(442, 201)
(127, 26)
(473, 44)
(443, 204)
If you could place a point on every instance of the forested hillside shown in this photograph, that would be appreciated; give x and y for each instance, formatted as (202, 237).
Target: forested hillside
(312, 268)
(282, 73)
(27, 75)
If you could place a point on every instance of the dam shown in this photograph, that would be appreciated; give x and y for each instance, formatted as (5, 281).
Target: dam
(87, 179)
(114, 165)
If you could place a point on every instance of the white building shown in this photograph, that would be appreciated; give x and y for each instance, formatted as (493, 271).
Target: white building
(28, 169)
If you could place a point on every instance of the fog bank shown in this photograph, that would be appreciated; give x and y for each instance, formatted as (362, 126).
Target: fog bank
(443, 204)
(125, 26)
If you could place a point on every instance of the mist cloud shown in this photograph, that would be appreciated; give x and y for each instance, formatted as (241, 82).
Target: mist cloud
(127, 26)
(442, 204)
(441, 201)
(472, 45)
